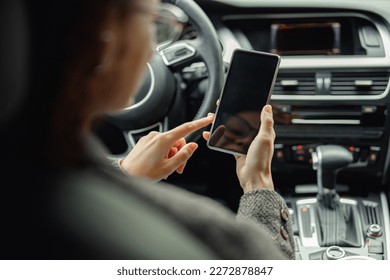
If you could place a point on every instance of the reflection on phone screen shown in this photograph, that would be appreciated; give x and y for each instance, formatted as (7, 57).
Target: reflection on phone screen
(238, 131)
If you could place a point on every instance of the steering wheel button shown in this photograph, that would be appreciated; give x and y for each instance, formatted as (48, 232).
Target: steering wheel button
(182, 52)
(169, 56)
(177, 53)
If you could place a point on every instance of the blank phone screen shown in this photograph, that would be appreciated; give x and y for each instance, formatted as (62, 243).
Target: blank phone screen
(247, 89)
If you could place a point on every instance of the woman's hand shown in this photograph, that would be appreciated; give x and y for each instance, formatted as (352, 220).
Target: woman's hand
(158, 155)
(254, 169)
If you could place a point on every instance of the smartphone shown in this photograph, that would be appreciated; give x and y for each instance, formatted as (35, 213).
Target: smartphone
(248, 86)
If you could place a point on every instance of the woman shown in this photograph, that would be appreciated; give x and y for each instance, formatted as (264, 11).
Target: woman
(88, 57)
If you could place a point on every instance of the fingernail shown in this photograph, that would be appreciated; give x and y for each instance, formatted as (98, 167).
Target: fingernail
(268, 109)
(193, 147)
(210, 116)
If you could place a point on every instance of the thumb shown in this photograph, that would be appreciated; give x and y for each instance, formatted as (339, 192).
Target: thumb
(267, 121)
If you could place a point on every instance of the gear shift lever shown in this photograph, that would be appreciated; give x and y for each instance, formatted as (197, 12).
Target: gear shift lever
(336, 221)
(328, 160)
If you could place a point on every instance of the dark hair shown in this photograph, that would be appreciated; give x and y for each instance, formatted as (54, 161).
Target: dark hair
(64, 43)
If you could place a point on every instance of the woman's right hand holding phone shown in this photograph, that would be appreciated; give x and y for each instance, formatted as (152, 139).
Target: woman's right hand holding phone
(254, 169)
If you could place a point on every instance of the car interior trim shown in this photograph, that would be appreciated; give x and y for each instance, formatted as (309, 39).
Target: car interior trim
(386, 218)
(176, 50)
(150, 91)
(144, 131)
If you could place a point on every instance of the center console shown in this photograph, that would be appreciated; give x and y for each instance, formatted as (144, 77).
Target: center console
(331, 227)
(332, 89)
(368, 241)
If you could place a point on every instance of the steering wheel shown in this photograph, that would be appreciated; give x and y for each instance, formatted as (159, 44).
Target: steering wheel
(160, 99)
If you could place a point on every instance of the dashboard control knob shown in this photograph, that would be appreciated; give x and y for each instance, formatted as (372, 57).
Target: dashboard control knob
(334, 253)
(374, 230)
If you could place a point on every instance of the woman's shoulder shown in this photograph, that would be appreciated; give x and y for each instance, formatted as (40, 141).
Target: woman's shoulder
(118, 220)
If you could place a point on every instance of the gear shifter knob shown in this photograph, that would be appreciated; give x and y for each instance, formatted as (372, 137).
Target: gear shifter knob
(336, 220)
(328, 160)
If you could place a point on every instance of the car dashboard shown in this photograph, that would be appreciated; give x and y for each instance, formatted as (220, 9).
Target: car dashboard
(332, 89)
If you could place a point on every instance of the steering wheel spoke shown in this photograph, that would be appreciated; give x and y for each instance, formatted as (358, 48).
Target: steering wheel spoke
(134, 135)
(178, 55)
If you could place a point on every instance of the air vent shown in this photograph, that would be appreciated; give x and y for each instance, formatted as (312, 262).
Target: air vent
(359, 83)
(370, 212)
(295, 84)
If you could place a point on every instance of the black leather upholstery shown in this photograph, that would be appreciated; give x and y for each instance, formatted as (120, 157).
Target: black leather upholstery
(13, 57)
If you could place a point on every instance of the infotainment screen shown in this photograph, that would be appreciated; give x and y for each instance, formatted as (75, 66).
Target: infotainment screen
(321, 38)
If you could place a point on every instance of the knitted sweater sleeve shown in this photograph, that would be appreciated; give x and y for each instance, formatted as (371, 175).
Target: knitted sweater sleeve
(268, 208)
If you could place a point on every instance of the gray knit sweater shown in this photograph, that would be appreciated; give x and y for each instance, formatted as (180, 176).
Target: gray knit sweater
(265, 207)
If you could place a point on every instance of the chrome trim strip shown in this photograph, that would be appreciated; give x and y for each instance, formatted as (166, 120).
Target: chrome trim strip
(319, 170)
(349, 201)
(149, 94)
(332, 62)
(131, 132)
(345, 122)
(307, 201)
(330, 97)
(386, 217)
(162, 126)
(150, 127)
